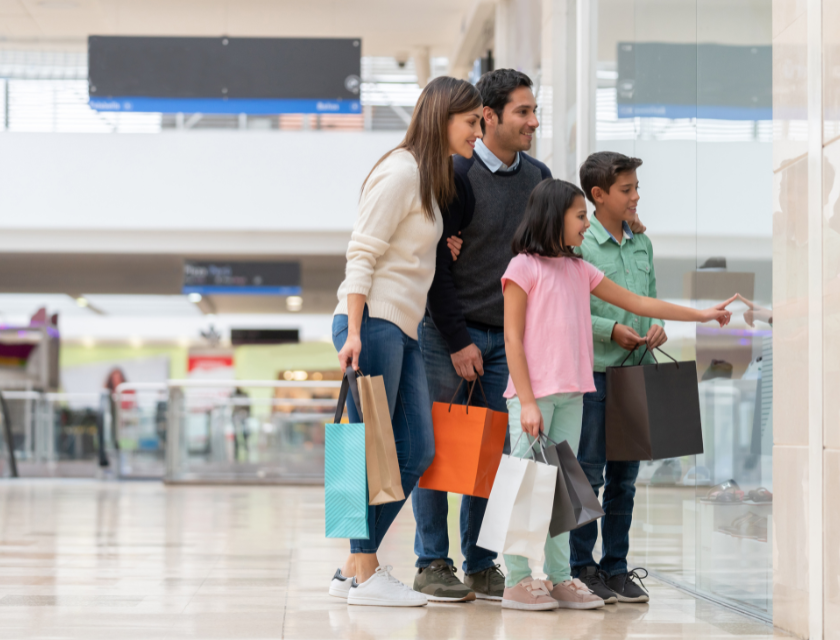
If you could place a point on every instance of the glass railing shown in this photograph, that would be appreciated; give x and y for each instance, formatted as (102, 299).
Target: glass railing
(180, 431)
(58, 434)
(257, 431)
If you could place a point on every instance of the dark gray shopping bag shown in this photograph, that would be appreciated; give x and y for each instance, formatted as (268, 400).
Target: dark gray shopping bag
(653, 411)
(575, 503)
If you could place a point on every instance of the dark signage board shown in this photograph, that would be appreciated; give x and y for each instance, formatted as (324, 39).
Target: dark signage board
(720, 82)
(264, 336)
(224, 75)
(242, 278)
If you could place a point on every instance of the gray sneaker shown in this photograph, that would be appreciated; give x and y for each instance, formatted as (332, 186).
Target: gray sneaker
(439, 584)
(596, 580)
(488, 584)
(626, 590)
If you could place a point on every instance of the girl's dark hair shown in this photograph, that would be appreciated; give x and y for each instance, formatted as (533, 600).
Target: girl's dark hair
(427, 138)
(542, 227)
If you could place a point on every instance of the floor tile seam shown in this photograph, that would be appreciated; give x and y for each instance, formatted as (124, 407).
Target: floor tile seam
(203, 580)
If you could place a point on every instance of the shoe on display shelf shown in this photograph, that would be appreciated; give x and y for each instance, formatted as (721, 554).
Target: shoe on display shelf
(625, 587)
(646, 471)
(760, 496)
(749, 525)
(725, 492)
(530, 595)
(574, 594)
(696, 477)
(596, 581)
(439, 583)
(488, 584)
(668, 473)
(340, 586)
(384, 590)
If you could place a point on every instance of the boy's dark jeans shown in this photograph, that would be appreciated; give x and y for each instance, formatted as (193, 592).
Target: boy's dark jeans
(619, 491)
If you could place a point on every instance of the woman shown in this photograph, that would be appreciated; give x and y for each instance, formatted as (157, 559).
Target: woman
(390, 266)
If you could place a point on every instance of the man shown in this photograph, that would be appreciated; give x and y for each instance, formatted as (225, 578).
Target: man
(462, 335)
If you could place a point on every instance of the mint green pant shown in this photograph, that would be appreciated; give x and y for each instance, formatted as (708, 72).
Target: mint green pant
(562, 418)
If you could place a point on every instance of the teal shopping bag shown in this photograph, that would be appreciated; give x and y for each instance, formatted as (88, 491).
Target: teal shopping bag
(345, 474)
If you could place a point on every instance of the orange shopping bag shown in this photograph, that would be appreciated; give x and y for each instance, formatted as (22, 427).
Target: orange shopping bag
(468, 447)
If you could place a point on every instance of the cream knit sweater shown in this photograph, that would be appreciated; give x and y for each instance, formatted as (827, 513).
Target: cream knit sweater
(391, 255)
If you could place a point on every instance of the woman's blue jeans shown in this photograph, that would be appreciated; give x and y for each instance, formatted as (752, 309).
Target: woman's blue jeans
(388, 352)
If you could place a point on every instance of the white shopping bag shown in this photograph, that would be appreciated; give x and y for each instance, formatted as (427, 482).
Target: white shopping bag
(519, 509)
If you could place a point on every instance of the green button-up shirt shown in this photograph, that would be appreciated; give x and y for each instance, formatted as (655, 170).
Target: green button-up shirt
(630, 265)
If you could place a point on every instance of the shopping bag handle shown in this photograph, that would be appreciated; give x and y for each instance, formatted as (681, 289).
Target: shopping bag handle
(650, 351)
(469, 397)
(547, 439)
(630, 353)
(348, 383)
(530, 449)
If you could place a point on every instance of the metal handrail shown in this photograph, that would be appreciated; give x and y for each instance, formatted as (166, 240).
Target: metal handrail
(140, 386)
(22, 395)
(256, 384)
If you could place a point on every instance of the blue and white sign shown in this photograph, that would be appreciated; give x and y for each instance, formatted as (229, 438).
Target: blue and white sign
(242, 278)
(251, 106)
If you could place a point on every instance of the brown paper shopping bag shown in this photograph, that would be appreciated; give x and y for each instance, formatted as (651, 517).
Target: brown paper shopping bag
(383, 469)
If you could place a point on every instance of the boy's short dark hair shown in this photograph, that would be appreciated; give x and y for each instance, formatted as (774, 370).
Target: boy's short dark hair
(601, 170)
(496, 86)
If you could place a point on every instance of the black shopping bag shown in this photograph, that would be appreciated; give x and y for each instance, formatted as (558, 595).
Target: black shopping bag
(575, 503)
(653, 411)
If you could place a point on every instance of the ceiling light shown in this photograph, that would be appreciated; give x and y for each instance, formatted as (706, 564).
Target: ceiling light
(81, 301)
(194, 297)
(294, 303)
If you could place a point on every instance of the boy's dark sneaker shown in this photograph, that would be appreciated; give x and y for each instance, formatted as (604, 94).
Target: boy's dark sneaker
(596, 580)
(488, 584)
(439, 584)
(625, 589)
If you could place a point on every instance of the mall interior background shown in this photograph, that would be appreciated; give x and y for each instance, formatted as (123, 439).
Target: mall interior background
(103, 211)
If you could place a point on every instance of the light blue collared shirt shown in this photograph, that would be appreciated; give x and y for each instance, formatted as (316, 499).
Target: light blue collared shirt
(627, 233)
(491, 161)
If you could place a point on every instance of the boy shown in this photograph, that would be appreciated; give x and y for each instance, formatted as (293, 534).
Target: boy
(609, 182)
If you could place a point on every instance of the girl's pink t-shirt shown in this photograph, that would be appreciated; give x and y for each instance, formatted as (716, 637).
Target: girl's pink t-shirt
(558, 324)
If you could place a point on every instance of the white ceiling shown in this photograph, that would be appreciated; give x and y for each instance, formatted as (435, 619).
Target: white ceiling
(386, 27)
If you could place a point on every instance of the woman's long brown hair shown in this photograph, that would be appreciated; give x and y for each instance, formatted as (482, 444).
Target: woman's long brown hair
(428, 141)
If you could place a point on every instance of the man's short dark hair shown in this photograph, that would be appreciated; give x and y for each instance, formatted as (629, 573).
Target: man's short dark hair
(496, 86)
(601, 170)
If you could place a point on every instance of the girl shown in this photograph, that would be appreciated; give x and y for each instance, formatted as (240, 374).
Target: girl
(390, 265)
(548, 340)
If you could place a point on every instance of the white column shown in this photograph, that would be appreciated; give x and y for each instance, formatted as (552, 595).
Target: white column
(555, 93)
(502, 36)
(815, 323)
(587, 59)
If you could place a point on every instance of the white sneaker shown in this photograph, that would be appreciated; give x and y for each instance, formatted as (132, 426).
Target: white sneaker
(384, 590)
(340, 586)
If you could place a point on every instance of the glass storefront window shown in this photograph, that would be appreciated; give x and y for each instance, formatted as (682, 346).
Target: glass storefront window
(686, 87)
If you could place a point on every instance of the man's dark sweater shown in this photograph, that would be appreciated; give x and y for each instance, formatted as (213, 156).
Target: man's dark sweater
(487, 210)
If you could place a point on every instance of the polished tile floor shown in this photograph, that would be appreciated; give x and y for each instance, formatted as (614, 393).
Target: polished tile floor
(81, 559)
